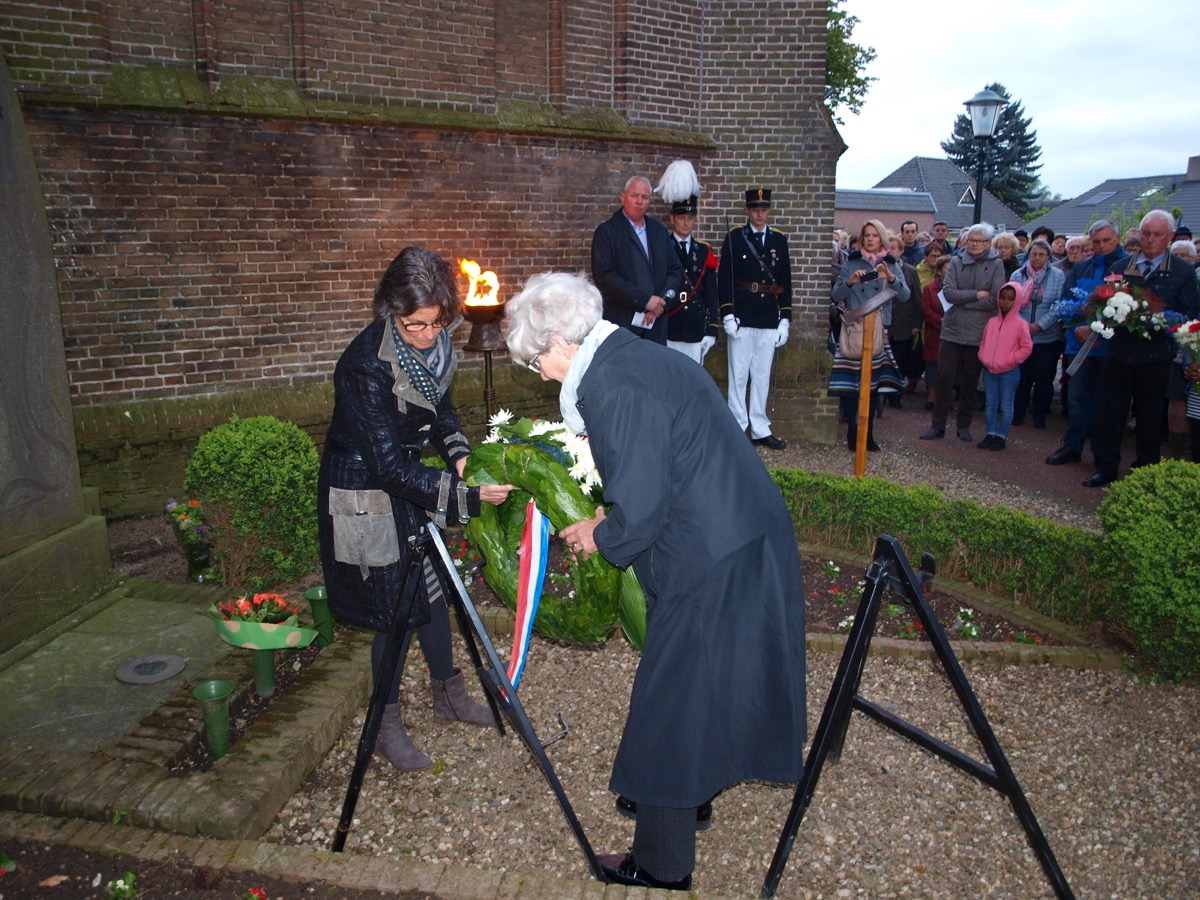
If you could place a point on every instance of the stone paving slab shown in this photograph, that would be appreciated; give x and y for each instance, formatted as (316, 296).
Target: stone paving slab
(74, 674)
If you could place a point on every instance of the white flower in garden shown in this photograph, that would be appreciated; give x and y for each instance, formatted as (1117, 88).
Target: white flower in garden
(845, 624)
(503, 417)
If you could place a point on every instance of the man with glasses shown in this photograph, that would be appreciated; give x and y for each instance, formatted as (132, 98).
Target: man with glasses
(972, 283)
(1138, 369)
(638, 272)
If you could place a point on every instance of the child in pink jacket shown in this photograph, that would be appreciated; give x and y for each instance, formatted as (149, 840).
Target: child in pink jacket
(1006, 344)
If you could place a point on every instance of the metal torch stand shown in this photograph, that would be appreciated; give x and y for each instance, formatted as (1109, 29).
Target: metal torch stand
(890, 571)
(493, 675)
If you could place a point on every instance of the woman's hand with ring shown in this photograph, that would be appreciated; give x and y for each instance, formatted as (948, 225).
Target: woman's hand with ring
(580, 537)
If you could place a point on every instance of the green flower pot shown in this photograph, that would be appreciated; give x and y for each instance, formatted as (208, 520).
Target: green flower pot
(214, 703)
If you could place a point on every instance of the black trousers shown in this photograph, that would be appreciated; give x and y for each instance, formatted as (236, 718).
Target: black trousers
(950, 356)
(1037, 379)
(1145, 386)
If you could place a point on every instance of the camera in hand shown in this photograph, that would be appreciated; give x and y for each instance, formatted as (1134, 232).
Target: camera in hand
(868, 276)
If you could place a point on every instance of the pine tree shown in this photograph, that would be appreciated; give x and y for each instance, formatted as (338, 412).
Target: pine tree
(1011, 158)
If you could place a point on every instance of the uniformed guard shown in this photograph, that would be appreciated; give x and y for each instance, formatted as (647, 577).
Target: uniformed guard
(692, 325)
(754, 283)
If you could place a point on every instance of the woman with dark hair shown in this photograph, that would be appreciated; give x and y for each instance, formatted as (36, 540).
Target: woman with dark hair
(1040, 371)
(719, 693)
(391, 400)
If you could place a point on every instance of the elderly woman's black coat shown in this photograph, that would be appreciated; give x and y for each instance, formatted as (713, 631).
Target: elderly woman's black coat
(380, 424)
(719, 695)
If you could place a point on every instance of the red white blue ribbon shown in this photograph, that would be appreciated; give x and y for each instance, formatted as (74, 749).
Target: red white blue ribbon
(535, 546)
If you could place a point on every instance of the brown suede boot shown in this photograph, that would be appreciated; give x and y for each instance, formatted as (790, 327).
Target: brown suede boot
(452, 702)
(394, 745)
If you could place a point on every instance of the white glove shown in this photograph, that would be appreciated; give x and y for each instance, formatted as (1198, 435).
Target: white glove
(707, 343)
(731, 327)
(781, 333)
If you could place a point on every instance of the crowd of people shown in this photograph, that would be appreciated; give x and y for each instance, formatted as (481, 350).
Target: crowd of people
(976, 352)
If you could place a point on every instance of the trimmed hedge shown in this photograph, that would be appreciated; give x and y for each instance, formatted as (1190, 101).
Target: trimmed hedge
(1140, 576)
(1048, 567)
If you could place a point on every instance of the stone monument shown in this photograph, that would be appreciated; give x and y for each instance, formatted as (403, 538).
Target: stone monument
(53, 556)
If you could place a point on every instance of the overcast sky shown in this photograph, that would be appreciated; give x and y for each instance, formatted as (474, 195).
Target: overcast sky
(1112, 88)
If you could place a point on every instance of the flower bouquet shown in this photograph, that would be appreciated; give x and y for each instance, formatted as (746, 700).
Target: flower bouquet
(1187, 336)
(547, 461)
(1118, 303)
(263, 623)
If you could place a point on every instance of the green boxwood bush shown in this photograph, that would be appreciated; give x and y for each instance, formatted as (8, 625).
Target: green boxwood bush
(257, 481)
(1151, 557)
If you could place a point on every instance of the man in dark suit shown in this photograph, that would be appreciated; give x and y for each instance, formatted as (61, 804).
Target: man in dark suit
(1137, 368)
(638, 272)
(754, 284)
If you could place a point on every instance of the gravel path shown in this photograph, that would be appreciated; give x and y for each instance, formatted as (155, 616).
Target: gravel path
(1108, 762)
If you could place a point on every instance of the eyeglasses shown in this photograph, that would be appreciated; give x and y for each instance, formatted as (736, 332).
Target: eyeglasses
(533, 365)
(415, 327)
(978, 241)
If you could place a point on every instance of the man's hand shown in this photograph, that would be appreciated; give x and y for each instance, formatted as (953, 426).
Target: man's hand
(580, 537)
(731, 327)
(707, 343)
(1082, 332)
(781, 332)
(655, 306)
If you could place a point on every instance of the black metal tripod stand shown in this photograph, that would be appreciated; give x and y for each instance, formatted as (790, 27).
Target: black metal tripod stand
(493, 675)
(890, 570)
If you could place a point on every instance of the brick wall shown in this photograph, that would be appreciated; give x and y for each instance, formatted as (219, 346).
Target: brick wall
(225, 181)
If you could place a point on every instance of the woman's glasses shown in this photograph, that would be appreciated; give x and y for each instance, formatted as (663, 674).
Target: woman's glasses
(415, 327)
(534, 365)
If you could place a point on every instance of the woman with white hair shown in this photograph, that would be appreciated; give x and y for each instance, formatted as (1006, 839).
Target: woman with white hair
(719, 695)
(972, 283)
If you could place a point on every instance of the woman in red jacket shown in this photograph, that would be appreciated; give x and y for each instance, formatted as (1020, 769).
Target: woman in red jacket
(931, 313)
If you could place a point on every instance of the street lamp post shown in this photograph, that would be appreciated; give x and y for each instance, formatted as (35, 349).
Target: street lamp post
(984, 109)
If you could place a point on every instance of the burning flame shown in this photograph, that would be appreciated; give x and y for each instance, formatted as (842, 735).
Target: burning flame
(489, 295)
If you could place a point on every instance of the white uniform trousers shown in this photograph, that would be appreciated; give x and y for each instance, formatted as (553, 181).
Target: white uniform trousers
(750, 356)
(688, 349)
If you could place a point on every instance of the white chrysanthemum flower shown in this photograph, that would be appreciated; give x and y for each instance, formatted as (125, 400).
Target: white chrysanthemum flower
(493, 436)
(503, 417)
(544, 426)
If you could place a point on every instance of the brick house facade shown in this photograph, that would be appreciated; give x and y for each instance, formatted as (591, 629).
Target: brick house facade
(226, 181)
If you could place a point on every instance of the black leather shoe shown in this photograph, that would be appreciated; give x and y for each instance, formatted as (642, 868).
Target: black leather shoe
(622, 868)
(934, 434)
(1099, 479)
(628, 808)
(1062, 456)
(770, 441)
